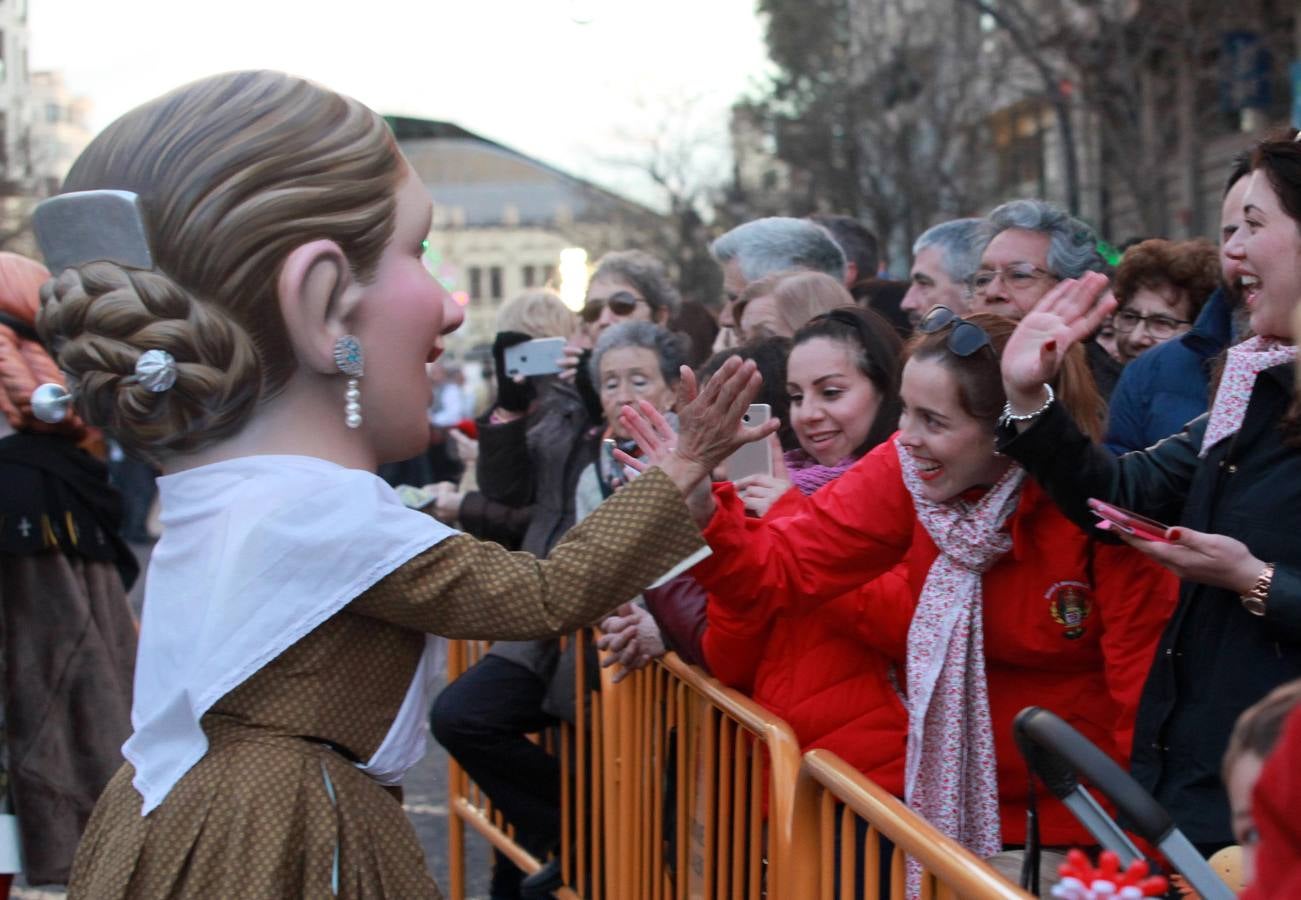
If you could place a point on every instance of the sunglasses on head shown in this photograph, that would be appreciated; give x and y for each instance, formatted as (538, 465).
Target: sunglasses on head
(966, 337)
(621, 303)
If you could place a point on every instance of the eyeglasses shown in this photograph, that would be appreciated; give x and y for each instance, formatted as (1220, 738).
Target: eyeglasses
(967, 337)
(1161, 326)
(621, 303)
(1018, 277)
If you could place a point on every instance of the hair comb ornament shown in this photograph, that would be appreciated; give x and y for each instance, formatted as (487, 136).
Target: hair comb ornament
(91, 226)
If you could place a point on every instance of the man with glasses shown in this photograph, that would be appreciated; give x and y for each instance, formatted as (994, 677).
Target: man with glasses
(1036, 245)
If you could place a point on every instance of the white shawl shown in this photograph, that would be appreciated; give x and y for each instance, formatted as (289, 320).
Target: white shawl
(256, 552)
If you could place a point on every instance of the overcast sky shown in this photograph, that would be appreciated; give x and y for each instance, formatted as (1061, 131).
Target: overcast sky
(578, 83)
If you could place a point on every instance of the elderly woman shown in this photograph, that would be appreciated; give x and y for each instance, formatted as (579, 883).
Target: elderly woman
(632, 361)
(1160, 287)
(483, 718)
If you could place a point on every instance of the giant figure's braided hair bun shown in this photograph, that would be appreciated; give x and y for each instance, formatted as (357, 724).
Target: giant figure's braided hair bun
(233, 172)
(101, 317)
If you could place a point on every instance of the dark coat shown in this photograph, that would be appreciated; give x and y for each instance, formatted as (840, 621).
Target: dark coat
(537, 461)
(1215, 659)
(1167, 386)
(67, 643)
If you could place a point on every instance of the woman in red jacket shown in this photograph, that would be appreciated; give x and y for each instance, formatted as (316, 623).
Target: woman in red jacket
(1013, 605)
(833, 688)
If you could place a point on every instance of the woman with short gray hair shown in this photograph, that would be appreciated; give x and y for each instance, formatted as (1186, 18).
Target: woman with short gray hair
(669, 348)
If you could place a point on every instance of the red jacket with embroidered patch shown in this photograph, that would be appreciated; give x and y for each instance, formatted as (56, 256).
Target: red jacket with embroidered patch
(831, 684)
(1070, 624)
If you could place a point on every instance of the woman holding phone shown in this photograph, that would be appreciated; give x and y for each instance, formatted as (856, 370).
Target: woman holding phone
(1010, 605)
(1230, 483)
(830, 683)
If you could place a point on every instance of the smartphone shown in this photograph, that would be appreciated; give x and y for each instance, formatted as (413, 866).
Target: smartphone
(414, 497)
(754, 458)
(538, 357)
(1130, 522)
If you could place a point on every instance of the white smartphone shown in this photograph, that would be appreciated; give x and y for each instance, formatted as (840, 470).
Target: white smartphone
(537, 357)
(754, 458)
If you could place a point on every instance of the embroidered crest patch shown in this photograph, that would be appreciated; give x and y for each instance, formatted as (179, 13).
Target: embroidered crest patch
(1070, 603)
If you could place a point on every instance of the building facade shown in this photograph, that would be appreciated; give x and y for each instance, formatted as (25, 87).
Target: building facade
(59, 128)
(503, 219)
(15, 133)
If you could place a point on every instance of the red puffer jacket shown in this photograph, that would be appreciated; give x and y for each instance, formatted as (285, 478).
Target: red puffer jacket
(1070, 624)
(831, 684)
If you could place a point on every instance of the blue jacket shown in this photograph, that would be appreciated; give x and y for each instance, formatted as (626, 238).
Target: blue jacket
(1166, 387)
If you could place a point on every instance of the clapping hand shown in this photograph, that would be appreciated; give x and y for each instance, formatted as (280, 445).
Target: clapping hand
(710, 425)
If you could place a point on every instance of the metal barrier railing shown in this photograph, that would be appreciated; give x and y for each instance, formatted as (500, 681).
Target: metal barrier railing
(836, 859)
(676, 787)
(467, 805)
(673, 786)
(701, 780)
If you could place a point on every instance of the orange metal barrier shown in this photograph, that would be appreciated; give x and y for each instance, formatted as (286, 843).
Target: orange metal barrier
(468, 805)
(673, 786)
(700, 781)
(826, 782)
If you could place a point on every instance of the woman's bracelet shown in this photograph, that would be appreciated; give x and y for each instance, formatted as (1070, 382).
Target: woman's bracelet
(1010, 418)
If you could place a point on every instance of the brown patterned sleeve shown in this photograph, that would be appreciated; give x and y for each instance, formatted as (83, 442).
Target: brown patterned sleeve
(465, 588)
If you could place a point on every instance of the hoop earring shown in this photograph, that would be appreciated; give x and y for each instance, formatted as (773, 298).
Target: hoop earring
(348, 358)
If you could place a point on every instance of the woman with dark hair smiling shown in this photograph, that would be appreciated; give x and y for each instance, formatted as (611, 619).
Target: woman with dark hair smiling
(802, 663)
(1231, 484)
(1008, 604)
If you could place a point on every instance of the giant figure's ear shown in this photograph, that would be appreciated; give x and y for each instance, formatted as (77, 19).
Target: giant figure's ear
(318, 295)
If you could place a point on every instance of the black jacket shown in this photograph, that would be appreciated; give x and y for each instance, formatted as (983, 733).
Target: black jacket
(1215, 659)
(537, 461)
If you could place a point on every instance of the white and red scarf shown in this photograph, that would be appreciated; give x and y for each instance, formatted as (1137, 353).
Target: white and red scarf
(1243, 363)
(951, 775)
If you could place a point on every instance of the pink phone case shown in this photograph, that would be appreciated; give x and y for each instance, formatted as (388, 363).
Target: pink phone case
(1130, 522)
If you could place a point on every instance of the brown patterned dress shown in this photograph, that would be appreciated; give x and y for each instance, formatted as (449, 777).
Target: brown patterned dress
(277, 808)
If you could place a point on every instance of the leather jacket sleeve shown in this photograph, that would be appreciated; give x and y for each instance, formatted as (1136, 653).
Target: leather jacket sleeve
(1072, 469)
(1283, 606)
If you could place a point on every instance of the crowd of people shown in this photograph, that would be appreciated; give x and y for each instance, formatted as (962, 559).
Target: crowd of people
(919, 557)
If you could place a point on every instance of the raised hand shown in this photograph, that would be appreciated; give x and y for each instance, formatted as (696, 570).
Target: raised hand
(1066, 315)
(710, 424)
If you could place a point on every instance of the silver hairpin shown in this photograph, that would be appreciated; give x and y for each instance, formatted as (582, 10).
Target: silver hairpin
(50, 403)
(87, 226)
(155, 370)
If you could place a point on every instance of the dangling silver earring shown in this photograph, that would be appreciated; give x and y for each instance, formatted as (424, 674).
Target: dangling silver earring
(348, 358)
